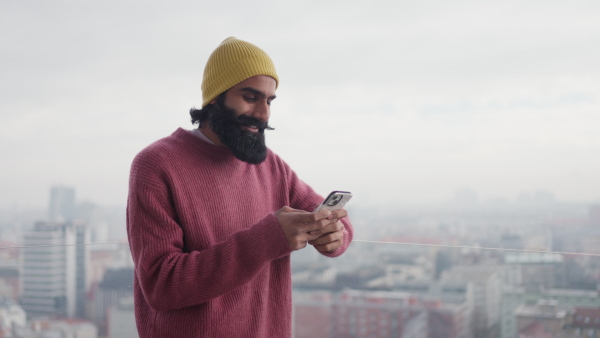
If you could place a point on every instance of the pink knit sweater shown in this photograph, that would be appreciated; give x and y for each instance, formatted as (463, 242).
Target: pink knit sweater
(210, 257)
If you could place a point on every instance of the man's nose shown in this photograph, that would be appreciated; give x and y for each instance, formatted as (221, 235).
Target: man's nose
(262, 110)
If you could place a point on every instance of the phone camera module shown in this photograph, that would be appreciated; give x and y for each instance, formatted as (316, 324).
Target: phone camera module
(335, 200)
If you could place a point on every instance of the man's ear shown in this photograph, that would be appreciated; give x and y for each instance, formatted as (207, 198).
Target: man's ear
(213, 101)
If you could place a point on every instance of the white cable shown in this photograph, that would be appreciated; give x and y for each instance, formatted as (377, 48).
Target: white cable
(481, 248)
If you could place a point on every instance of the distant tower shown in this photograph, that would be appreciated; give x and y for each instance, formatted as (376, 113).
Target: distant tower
(54, 277)
(62, 204)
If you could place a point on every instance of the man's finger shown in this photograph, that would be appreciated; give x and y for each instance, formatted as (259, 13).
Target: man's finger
(323, 226)
(323, 214)
(329, 228)
(329, 247)
(290, 209)
(311, 217)
(339, 213)
(327, 238)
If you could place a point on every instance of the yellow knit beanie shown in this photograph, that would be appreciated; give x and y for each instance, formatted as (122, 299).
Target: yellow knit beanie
(231, 63)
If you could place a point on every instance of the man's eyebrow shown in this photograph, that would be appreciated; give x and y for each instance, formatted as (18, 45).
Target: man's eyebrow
(258, 92)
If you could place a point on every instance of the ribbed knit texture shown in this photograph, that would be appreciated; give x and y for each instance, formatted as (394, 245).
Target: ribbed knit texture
(232, 62)
(210, 257)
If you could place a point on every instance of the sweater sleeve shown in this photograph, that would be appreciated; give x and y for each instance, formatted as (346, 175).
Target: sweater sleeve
(171, 278)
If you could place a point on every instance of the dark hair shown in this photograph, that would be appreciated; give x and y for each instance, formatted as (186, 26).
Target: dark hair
(201, 115)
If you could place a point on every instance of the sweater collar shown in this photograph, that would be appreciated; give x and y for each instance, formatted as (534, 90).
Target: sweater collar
(198, 133)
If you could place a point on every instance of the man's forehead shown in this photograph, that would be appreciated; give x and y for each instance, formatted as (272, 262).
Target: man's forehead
(259, 84)
(258, 92)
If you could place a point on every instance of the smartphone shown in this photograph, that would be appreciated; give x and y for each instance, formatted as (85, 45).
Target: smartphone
(335, 200)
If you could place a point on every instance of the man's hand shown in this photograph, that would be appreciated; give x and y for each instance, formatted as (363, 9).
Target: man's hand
(300, 226)
(331, 236)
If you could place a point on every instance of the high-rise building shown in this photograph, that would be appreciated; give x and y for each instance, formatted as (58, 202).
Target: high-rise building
(54, 270)
(62, 204)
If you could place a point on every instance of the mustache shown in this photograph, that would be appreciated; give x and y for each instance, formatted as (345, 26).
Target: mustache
(250, 121)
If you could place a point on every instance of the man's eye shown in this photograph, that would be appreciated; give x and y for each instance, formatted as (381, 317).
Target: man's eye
(250, 98)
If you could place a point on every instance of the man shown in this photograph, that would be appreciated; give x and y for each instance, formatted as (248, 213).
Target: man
(213, 214)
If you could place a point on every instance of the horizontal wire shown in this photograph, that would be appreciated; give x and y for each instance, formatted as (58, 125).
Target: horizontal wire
(356, 240)
(481, 248)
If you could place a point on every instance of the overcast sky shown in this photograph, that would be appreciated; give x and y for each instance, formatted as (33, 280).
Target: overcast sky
(406, 101)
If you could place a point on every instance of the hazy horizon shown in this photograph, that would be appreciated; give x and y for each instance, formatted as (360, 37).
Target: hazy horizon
(397, 101)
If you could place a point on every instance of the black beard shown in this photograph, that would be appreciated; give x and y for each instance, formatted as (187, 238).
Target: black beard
(244, 145)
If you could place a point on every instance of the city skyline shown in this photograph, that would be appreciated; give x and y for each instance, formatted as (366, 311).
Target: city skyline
(446, 277)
